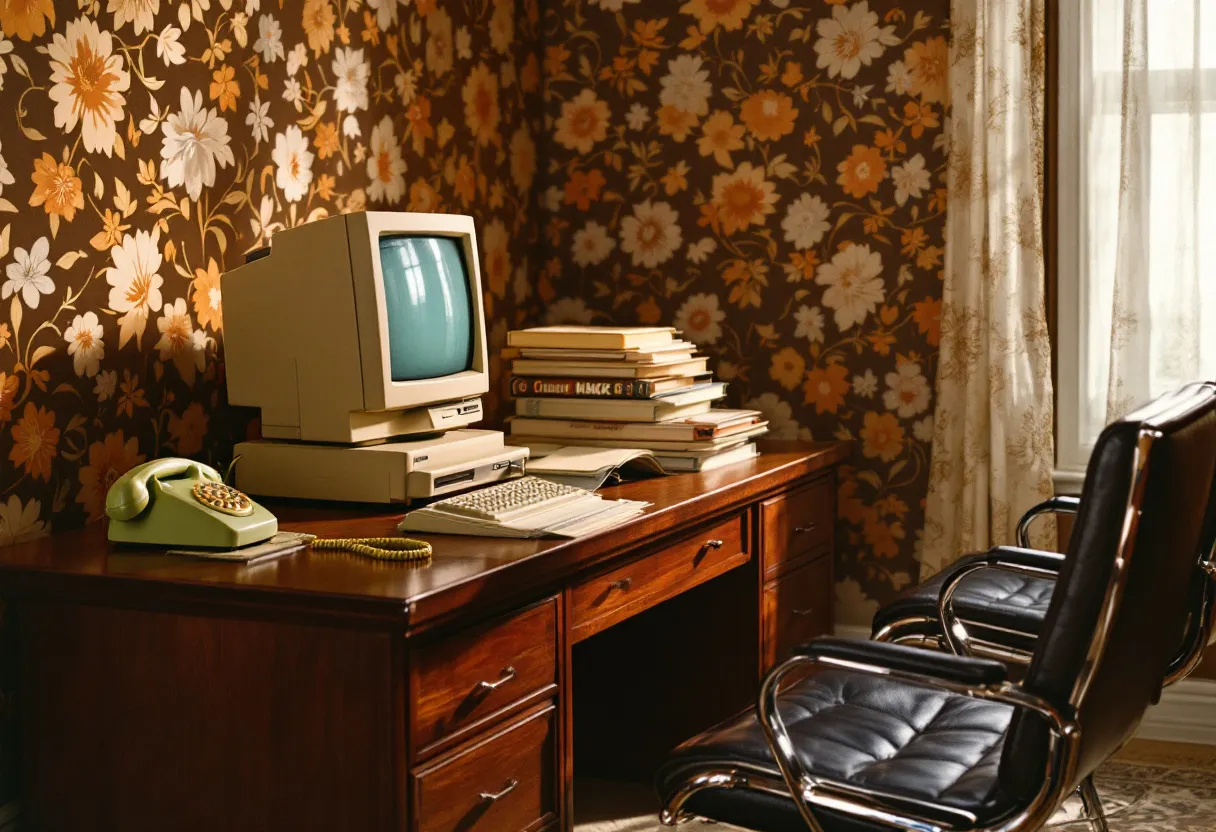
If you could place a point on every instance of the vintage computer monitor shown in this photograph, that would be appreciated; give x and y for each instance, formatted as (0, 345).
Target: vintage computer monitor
(362, 339)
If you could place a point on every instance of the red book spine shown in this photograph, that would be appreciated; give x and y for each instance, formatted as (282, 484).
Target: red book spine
(581, 388)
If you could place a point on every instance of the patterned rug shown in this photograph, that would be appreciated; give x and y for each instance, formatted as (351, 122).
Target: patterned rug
(1139, 797)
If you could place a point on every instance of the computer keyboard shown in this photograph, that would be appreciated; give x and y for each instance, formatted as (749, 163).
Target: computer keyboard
(512, 499)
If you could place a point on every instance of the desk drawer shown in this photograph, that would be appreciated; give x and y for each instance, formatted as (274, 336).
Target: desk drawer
(797, 523)
(469, 677)
(506, 783)
(798, 608)
(601, 601)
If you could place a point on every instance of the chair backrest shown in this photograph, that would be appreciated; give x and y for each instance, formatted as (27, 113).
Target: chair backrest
(1117, 614)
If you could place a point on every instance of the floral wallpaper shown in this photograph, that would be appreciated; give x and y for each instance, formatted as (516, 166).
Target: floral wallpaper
(150, 143)
(769, 176)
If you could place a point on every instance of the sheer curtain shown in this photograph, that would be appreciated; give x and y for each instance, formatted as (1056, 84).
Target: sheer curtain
(1149, 117)
(992, 443)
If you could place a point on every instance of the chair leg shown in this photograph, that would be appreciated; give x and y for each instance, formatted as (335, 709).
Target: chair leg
(1093, 805)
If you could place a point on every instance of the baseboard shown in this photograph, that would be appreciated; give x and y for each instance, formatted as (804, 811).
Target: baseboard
(1186, 713)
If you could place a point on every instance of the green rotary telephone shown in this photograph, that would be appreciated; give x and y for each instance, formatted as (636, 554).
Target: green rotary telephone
(180, 502)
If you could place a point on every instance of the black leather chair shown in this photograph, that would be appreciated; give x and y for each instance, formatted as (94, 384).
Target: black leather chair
(885, 736)
(1001, 614)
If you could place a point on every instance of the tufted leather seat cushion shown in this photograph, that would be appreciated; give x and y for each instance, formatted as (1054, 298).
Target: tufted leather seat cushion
(991, 597)
(910, 742)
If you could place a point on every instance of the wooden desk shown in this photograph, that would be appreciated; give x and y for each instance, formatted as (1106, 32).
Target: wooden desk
(326, 691)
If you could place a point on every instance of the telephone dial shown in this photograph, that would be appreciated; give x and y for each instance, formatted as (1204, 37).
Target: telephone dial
(180, 502)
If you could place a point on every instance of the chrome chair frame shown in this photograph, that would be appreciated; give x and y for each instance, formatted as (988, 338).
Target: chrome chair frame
(1060, 780)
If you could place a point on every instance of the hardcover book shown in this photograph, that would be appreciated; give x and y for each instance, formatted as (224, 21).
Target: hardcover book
(599, 388)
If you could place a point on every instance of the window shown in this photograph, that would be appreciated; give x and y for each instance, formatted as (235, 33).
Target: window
(1168, 236)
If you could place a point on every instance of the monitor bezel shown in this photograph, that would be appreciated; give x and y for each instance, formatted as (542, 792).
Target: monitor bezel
(380, 392)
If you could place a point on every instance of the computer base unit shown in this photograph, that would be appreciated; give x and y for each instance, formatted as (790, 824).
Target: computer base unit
(387, 473)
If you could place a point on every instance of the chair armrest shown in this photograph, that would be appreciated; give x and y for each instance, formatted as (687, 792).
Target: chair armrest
(1055, 505)
(1006, 558)
(963, 670)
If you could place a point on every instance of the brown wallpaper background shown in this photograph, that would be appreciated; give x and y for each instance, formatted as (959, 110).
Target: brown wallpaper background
(766, 174)
(769, 176)
(149, 144)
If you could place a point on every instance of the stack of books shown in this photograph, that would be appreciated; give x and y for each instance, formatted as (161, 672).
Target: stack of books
(624, 387)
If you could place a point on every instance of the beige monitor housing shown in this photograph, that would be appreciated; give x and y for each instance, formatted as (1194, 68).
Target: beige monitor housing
(306, 335)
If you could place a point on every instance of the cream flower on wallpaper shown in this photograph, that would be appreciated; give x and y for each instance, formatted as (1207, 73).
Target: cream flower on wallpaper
(85, 344)
(195, 141)
(269, 44)
(258, 120)
(386, 12)
(851, 38)
(568, 311)
(169, 47)
(439, 47)
(385, 167)
(135, 283)
(911, 179)
(700, 318)
(18, 522)
(806, 221)
(854, 287)
(138, 12)
(87, 82)
(781, 422)
(293, 163)
(180, 341)
(898, 78)
(27, 274)
(686, 85)
(591, 245)
(810, 323)
(651, 234)
(583, 122)
(6, 46)
(350, 80)
(105, 385)
(743, 197)
(907, 390)
(6, 176)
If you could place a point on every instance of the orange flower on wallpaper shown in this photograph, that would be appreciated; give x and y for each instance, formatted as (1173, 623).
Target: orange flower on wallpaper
(56, 187)
(26, 19)
(582, 123)
(787, 367)
(861, 173)
(825, 387)
(496, 257)
(743, 198)
(206, 295)
(480, 95)
(423, 197)
(928, 316)
(523, 159)
(108, 460)
(9, 384)
(439, 48)
(881, 436)
(35, 441)
(675, 122)
(418, 114)
(769, 114)
(729, 14)
(583, 188)
(719, 136)
(883, 537)
(318, 21)
(189, 429)
(928, 65)
(225, 88)
(326, 139)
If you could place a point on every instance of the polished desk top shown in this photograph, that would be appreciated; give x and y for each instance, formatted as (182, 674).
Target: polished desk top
(463, 570)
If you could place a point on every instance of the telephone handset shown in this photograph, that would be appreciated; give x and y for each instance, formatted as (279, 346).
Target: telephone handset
(180, 502)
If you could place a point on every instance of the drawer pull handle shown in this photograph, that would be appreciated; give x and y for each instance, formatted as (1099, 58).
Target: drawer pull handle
(623, 584)
(494, 797)
(807, 611)
(713, 544)
(507, 675)
(809, 527)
